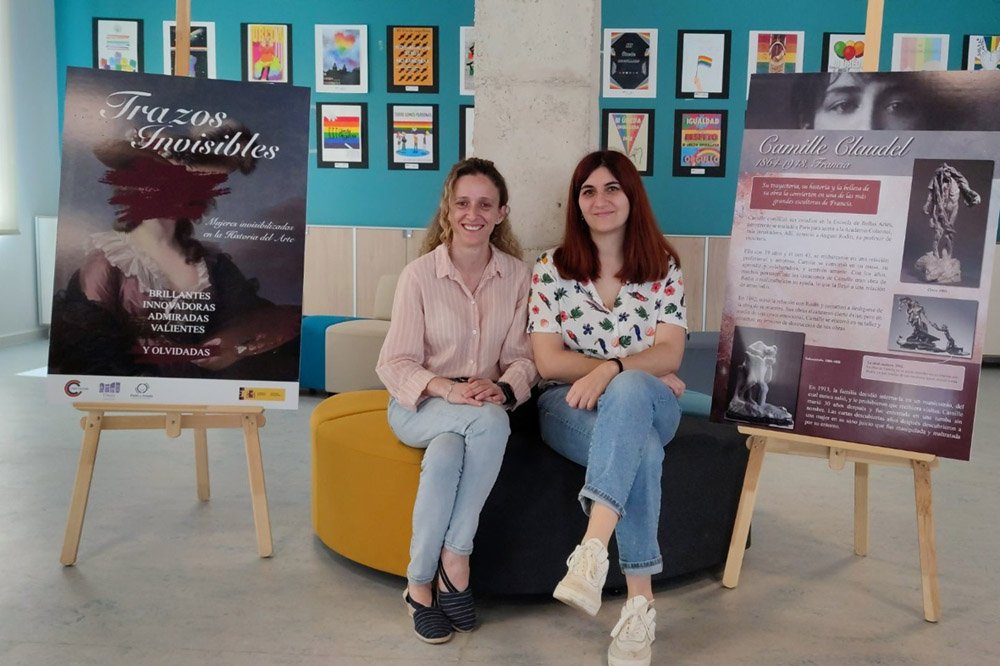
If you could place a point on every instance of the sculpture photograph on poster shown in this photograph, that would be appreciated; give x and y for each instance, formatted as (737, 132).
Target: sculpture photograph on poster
(865, 215)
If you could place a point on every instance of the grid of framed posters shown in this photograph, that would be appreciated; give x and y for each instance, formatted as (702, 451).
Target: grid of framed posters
(342, 59)
(773, 52)
(629, 68)
(202, 59)
(843, 52)
(700, 143)
(118, 44)
(412, 131)
(630, 131)
(342, 136)
(703, 63)
(919, 53)
(466, 130)
(267, 56)
(981, 53)
(413, 58)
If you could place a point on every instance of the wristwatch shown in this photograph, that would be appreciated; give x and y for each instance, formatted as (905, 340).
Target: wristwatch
(509, 399)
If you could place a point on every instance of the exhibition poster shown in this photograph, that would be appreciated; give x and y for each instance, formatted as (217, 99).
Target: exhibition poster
(181, 233)
(863, 233)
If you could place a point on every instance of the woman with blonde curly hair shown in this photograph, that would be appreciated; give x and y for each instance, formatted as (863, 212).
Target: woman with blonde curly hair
(455, 358)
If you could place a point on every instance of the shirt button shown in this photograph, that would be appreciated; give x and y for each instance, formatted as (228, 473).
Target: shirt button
(473, 331)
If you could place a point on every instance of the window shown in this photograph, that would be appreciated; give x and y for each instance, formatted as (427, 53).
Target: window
(8, 186)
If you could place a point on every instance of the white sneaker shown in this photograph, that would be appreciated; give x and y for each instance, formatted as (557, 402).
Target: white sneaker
(582, 585)
(633, 636)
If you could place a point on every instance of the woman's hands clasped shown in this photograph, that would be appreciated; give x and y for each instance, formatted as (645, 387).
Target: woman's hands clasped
(475, 391)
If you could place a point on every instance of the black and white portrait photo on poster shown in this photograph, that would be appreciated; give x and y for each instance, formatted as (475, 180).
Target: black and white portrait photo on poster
(946, 223)
(873, 101)
(931, 325)
(180, 243)
(764, 376)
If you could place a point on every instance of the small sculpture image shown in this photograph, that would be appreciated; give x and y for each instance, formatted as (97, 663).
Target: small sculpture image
(749, 401)
(946, 187)
(921, 339)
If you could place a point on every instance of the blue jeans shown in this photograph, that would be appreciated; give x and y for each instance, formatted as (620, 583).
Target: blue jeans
(464, 448)
(621, 444)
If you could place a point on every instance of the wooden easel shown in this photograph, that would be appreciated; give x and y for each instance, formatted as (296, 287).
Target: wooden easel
(172, 418)
(838, 453)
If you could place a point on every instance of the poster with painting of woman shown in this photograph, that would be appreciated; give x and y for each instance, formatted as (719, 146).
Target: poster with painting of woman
(180, 242)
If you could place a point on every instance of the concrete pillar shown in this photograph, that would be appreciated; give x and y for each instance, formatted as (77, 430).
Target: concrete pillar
(537, 92)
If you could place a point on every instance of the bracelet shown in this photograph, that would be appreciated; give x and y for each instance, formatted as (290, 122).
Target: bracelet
(618, 362)
(448, 392)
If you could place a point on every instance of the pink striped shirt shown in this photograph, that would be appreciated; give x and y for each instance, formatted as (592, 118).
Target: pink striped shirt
(441, 329)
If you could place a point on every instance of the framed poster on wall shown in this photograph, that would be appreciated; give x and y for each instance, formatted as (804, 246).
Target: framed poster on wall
(700, 143)
(843, 52)
(467, 59)
(413, 136)
(981, 53)
(342, 136)
(703, 63)
(466, 130)
(773, 52)
(118, 44)
(629, 62)
(919, 52)
(630, 131)
(413, 58)
(342, 59)
(267, 53)
(201, 63)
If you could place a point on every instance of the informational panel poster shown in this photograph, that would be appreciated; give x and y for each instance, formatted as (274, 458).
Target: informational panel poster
(180, 242)
(858, 281)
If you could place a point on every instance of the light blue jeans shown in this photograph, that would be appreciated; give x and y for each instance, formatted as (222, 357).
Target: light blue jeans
(621, 444)
(464, 448)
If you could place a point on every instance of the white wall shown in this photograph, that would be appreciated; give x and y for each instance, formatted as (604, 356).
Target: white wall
(36, 156)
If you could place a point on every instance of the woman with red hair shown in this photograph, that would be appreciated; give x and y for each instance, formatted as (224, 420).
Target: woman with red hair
(607, 323)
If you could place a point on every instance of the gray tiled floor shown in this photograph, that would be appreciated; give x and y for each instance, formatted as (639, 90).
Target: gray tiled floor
(164, 579)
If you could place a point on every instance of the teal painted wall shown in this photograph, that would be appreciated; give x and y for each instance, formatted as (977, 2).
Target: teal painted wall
(379, 197)
(362, 197)
(705, 205)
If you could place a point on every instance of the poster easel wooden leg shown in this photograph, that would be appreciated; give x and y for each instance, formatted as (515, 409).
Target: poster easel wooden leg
(173, 419)
(838, 454)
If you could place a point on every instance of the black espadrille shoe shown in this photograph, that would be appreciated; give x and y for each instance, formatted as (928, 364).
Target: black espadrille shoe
(429, 622)
(458, 607)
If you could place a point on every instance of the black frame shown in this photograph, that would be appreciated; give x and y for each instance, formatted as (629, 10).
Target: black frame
(727, 49)
(245, 43)
(462, 129)
(414, 166)
(650, 124)
(700, 172)
(390, 48)
(140, 46)
(336, 164)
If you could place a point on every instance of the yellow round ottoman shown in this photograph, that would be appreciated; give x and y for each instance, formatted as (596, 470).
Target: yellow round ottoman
(364, 481)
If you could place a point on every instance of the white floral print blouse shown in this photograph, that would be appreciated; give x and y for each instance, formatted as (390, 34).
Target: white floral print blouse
(573, 309)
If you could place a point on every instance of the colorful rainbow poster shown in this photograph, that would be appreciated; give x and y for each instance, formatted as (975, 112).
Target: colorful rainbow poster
(266, 52)
(342, 136)
(700, 138)
(919, 53)
(630, 131)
